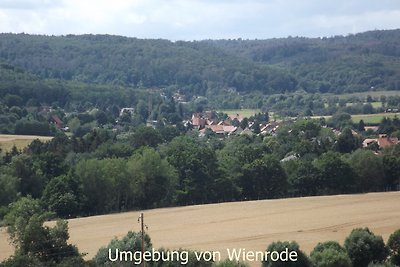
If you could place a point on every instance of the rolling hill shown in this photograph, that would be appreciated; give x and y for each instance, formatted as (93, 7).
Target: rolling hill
(360, 62)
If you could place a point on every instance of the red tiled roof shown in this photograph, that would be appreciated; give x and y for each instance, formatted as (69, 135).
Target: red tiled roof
(221, 129)
(198, 121)
(57, 120)
(387, 141)
(229, 128)
(216, 128)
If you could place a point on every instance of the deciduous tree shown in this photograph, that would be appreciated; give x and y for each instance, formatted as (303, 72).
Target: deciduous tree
(363, 247)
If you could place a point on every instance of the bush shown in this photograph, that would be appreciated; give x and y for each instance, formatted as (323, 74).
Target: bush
(19, 260)
(302, 259)
(228, 263)
(328, 245)
(330, 254)
(381, 265)
(331, 258)
(130, 242)
(190, 260)
(394, 247)
(363, 247)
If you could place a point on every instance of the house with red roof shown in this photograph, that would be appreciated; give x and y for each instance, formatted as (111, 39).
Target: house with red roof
(56, 121)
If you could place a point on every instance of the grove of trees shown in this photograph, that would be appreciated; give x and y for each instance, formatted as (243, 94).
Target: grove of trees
(100, 172)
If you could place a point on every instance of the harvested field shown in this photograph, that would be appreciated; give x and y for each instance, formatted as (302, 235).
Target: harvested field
(20, 141)
(251, 225)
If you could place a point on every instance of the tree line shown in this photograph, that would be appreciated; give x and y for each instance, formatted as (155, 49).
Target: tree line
(102, 172)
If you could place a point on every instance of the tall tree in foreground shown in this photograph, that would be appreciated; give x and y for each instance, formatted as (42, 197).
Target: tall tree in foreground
(264, 178)
(368, 169)
(347, 141)
(153, 179)
(304, 178)
(337, 176)
(197, 170)
(36, 243)
(62, 195)
(391, 165)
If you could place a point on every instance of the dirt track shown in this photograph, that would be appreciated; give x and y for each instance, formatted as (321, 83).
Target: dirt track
(250, 225)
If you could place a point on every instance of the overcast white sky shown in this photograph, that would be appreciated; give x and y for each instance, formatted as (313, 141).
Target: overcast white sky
(199, 19)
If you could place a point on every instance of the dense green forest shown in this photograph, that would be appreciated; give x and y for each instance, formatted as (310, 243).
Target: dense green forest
(339, 64)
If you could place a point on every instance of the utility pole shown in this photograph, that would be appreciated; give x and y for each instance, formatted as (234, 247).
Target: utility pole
(141, 218)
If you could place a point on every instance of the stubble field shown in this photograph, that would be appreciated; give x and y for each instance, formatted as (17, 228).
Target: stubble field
(251, 225)
(7, 141)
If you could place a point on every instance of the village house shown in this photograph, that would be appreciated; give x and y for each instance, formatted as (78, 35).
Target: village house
(198, 121)
(221, 129)
(56, 121)
(374, 129)
(369, 141)
(237, 116)
(208, 121)
(386, 141)
(383, 141)
(269, 128)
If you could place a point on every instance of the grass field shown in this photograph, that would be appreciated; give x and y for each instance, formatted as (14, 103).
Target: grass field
(373, 118)
(374, 104)
(251, 225)
(242, 112)
(20, 141)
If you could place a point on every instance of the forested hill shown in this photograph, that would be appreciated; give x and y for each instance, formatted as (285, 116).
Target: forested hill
(352, 63)
(358, 62)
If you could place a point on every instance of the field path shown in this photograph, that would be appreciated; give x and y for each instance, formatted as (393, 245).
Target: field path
(251, 225)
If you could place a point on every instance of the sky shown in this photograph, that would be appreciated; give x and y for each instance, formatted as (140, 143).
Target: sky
(199, 19)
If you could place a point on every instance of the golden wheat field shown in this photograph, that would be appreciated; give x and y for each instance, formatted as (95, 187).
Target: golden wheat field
(7, 141)
(251, 225)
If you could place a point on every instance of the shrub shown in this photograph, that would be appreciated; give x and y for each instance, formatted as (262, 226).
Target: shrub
(363, 247)
(394, 247)
(302, 259)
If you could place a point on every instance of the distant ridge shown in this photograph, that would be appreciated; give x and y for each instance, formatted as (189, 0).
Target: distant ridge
(360, 62)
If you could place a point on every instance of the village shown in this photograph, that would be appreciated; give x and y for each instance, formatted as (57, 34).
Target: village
(207, 122)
